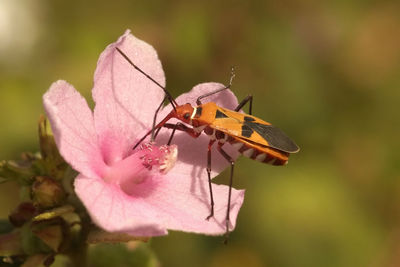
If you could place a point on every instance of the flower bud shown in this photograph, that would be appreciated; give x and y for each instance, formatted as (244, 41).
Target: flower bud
(23, 213)
(53, 163)
(46, 192)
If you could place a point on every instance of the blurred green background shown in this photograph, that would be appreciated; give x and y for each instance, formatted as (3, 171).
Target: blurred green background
(325, 72)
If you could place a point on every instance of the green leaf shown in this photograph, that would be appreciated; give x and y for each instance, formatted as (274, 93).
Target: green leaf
(51, 235)
(32, 244)
(19, 171)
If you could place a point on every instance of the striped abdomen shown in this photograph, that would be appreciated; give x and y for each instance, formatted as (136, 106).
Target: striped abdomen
(248, 149)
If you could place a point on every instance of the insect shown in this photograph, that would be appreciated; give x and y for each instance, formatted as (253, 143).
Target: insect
(251, 136)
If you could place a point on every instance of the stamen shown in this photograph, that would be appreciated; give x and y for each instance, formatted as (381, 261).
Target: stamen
(135, 169)
(169, 159)
(164, 156)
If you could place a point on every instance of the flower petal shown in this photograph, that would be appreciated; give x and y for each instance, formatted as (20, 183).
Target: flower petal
(192, 156)
(125, 99)
(159, 203)
(114, 211)
(73, 128)
(185, 204)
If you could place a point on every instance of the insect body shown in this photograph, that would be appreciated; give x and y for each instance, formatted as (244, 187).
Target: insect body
(251, 136)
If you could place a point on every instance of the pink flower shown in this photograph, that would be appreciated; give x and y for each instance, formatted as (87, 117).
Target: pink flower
(131, 191)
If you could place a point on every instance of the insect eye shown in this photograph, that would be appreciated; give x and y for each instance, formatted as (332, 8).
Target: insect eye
(186, 116)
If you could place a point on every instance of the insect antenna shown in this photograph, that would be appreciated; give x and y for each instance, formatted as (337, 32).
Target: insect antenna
(198, 101)
(233, 75)
(168, 95)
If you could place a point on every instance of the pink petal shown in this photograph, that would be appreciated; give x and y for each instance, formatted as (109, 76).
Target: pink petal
(111, 209)
(125, 99)
(159, 203)
(73, 128)
(185, 203)
(192, 157)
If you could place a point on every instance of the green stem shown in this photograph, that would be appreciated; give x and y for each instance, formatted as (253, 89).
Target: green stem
(78, 256)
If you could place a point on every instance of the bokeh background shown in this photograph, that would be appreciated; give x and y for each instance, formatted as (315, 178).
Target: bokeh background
(328, 73)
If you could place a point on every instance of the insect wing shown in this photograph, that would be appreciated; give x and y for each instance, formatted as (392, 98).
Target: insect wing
(275, 137)
(254, 130)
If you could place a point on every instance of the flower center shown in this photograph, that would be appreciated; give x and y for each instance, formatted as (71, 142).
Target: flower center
(145, 162)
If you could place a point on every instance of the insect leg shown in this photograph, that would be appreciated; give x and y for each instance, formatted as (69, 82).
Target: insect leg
(191, 132)
(209, 179)
(232, 162)
(159, 125)
(181, 127)
(172, 134)
(198, 101)
(154, 134)
(244, 102)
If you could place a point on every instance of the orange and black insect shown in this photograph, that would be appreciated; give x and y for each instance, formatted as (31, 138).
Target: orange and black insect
(251, 136)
